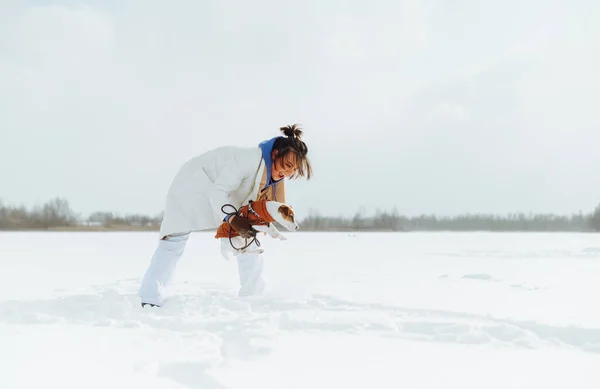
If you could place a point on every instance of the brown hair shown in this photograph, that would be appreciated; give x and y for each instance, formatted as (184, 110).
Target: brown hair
(292, 143)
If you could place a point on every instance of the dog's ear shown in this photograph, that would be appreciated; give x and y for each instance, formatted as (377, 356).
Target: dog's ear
(287, 212)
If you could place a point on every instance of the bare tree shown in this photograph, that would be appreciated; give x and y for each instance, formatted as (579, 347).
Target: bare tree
(595, 219)
(54, 213)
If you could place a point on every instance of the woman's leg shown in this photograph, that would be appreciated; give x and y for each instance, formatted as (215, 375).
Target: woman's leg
(158, 276)
(250, 268)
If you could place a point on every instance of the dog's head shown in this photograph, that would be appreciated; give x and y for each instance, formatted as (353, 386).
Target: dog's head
(283, 214)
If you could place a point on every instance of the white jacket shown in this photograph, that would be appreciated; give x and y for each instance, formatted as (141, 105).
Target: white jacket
(226, 175)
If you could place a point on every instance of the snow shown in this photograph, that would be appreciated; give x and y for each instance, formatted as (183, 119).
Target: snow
(342, 310)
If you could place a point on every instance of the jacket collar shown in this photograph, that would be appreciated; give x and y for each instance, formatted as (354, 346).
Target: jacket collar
(266, 147)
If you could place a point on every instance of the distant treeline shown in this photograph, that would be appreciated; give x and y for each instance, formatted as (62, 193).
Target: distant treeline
(392, 221)
(56, 214)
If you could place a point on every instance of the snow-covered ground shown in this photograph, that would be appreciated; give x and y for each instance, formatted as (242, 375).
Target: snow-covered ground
(366, 310)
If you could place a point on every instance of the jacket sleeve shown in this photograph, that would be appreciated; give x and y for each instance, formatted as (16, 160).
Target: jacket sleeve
(229, 180)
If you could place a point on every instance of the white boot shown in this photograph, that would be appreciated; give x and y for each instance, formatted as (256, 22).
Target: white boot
(156, 281)
(250, 268)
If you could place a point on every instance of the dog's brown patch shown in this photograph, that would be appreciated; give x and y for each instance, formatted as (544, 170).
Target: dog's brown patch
(287, 213)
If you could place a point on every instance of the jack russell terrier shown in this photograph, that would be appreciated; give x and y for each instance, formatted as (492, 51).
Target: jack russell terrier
(262, 214)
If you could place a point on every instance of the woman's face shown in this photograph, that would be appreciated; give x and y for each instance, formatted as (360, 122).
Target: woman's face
(283, 168)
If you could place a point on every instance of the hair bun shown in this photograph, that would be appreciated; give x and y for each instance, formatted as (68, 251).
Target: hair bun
(292, 131)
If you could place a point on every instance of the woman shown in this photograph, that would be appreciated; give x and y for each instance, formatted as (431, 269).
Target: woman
(226, 175)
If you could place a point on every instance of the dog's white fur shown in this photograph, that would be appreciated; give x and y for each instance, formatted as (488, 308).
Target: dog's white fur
(273, 208)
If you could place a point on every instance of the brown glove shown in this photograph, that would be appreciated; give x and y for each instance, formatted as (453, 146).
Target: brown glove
(242, 226)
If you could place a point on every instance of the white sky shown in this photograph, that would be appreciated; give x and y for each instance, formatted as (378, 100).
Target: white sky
(431, 107)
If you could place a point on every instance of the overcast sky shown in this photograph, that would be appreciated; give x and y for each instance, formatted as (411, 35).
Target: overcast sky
(427, 106)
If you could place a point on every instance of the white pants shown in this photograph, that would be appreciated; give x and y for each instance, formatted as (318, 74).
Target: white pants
(157, 279)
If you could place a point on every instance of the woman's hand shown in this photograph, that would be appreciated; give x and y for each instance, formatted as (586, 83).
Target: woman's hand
(242, 226)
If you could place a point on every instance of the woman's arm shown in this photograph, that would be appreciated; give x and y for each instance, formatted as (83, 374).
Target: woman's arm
(228, 181)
